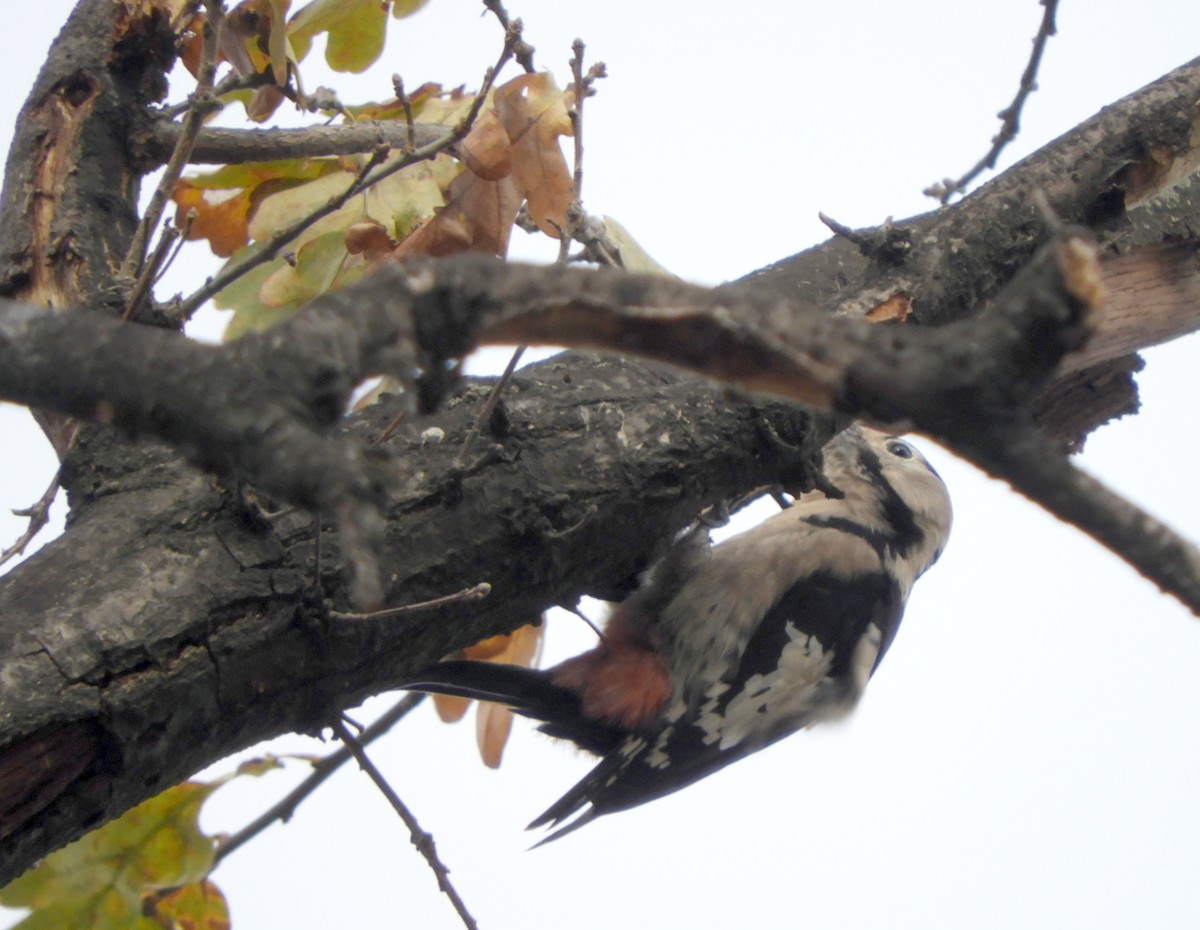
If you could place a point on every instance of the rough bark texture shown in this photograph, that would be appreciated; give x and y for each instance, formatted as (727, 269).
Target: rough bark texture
(171, 624)
(203, 634)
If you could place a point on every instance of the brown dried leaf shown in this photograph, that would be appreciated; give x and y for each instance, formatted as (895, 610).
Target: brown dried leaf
(478, 217)
(534, 113)
(486, 150)
(368, 238)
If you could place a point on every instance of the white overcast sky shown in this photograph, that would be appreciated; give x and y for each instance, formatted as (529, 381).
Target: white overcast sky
(1029, 753)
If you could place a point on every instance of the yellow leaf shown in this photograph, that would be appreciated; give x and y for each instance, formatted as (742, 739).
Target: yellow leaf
(403, 8)
(283, 208)
(356, 31)
(98, 881)
(633, 256)
(317, 264)
(251, 313)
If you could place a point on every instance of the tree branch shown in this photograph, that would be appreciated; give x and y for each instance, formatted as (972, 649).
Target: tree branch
(238, 146)
(123, 688)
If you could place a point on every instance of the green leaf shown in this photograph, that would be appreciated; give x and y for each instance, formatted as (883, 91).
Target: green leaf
(318, 262)
(251, 312)
(98, 881)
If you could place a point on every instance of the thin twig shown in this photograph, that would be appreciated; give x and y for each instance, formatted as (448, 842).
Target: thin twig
(522, 51)
(283, 810)
(581, 228)
(39, 515)
(575, 209)
(574, 213)
(474, 593)
(180, 238)
(269, 249)
(489, 405)
(574, 609)
(420, 839)
(392, 425)
(1010, 115)
(398, 86)
(151, 271)
(192, 122)
(229, 84)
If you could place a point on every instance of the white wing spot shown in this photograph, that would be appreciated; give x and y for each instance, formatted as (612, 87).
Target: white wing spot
(792, 691)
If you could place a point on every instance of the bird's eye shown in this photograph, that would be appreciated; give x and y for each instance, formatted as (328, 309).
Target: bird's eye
(900, 449)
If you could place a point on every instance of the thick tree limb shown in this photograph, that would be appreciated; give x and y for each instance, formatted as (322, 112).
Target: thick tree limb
(1130, 174)
(968, 383)
(166, 628)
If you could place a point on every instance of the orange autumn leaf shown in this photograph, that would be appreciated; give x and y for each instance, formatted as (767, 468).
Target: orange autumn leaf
(225, 200)
(896, 309)
(220, 220)
(493, 722)
(196, 906)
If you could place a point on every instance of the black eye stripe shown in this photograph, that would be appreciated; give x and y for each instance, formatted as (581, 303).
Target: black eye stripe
(906, 532)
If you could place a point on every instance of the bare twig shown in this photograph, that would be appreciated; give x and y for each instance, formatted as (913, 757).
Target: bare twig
(841, 229)
(592, 625)
(283, 810)
(180, 237)
(575, 217)
(151, 271)
(134, 258)
(398, 86)
(474, 593)
(366, 179)
(420, 839)
(391, 427)
(522, 51)
(489, 405)
(1010, 115)
(39, 515)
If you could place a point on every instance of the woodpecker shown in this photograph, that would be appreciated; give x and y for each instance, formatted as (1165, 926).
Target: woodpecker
(726, 649)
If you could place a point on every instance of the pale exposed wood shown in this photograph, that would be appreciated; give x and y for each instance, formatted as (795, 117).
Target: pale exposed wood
(1153, 297)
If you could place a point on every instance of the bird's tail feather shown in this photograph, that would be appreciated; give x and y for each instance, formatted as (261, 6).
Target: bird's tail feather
(529, 692)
